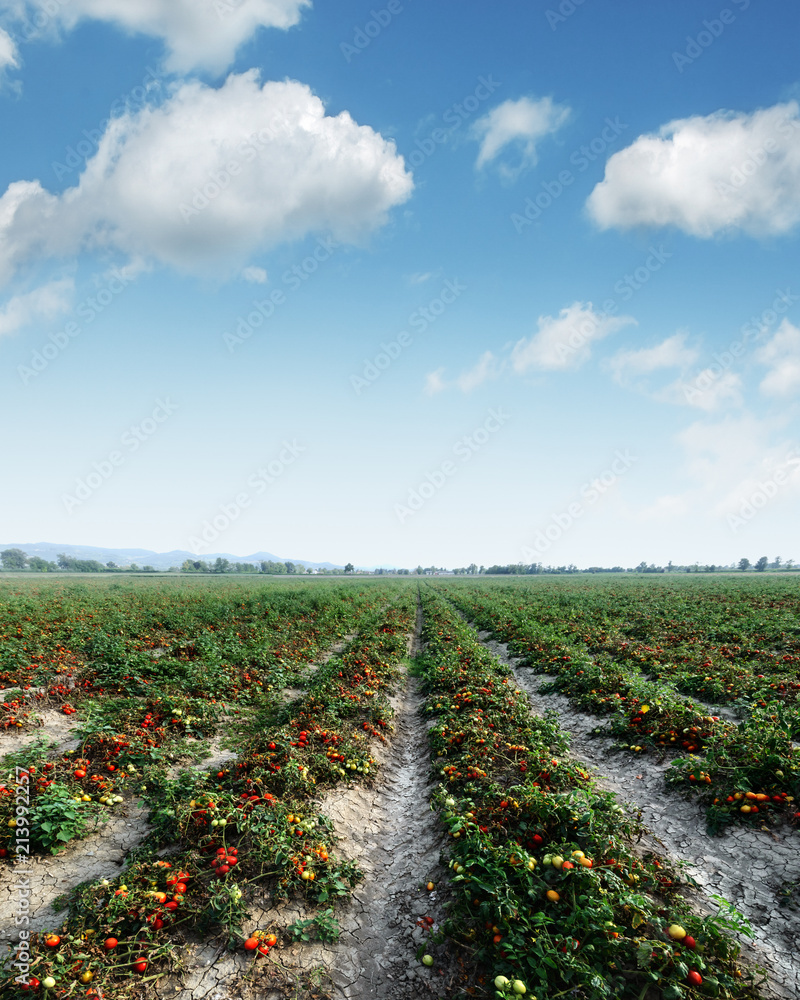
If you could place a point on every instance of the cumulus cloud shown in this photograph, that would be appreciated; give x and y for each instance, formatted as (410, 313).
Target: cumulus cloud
(565, 341)
(209, 177)
(782, 354)
(670, 353)
(520, 124)
(705, 175)
(198, 34)
(44, 303)
(8, 51)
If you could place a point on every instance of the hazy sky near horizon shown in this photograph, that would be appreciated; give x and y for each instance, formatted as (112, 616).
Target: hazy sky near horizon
(399, 283)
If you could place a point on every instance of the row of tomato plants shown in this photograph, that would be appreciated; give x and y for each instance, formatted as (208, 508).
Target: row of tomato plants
(63, 642)
(746, 772)
(548, 892)
(123, 736)
(223, 837)
(720, 640)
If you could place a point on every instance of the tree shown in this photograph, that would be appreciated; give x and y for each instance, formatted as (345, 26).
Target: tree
(761, 565)
(271, 567)
(349, 568)
(744, 564)
(221, 565)
(39, 565)
(14, 559)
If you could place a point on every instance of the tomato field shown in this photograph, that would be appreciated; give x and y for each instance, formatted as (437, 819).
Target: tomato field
(434, 787)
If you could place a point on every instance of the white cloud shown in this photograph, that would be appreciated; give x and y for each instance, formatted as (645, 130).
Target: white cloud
(198, 34)
(704, 175)
(8, 51)
(733, 458)
(210, 177)
(485, 368)
(519, 123)
(565, 341)
(709, 390)
(670, 353)
(255, 275)
(782, 354)
(434, 383)
(44, 303)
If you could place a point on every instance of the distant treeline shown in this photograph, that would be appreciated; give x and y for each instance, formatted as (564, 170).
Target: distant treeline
(16, 560)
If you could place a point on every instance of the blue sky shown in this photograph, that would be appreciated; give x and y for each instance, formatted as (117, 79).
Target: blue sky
(402, 282)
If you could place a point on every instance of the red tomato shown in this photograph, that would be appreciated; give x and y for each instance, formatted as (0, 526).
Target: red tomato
(251, 944)
(140, 964)
(689, 942)
(110, 943)
(52, 940)
(694, 978)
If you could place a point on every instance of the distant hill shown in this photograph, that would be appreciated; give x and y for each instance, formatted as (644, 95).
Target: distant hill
(146, 557)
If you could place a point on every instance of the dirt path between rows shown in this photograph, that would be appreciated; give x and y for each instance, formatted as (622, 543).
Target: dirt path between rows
(747, 866)
(391, 833)
(100, 855)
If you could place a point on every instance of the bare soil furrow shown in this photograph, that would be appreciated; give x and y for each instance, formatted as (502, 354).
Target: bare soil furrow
(393, 836)
(98, 856)
(747, 866)
(54, 726)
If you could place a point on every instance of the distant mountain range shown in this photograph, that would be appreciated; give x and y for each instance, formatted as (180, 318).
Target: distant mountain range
(145, 557)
